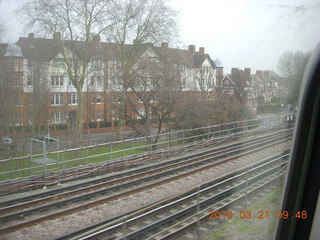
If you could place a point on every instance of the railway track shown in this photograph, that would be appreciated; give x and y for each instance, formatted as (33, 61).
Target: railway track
(73, 174)
(191, 164)
(186, 209)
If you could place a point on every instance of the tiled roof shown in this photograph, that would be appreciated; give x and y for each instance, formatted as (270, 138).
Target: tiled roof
(46, 49)
(199, 58)
(177, 56)
(40, 49)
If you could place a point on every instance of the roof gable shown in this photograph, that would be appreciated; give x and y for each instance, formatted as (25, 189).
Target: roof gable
(47, 49)
(199, 59)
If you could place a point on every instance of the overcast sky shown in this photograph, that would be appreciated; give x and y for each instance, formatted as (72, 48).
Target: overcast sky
(241, 33)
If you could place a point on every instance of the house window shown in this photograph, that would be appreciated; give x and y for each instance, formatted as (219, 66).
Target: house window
(92, 81)
(29, 82)
(114, 116)
(92, 116)
(93, 99)
(57, 99)
(58, 63)
(16, 82)
(73, 99)
(96, 64)
(30, 119)
(142, 113)
(56, 80)
(57, 117)
(17, 100)
(98, 99)
(18, 119)
(99, 81)
(140, 99)
(69, 82)
(17, 65)
(30, 99)
(99, 116)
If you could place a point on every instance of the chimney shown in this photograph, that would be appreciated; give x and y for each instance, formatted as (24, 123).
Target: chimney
(247, 72)
(31, 35)
(31, 39)
(192, 49)
(234, 72)
(201, 50)
(136, 42)
(57, 36)
(96, 39)
(164, 45)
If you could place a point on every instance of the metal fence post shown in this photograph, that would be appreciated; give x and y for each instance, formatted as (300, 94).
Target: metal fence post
(8, 168)
(280, 163)
(44, 156)
(183, 138)
(124, 229)
(63, 160)
(110, 150)
(59, 158)
(30, 166)
(246, 192)
(87, 155)
(198, 212)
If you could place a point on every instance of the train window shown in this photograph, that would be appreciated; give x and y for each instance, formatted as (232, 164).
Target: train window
(303, 182)
(214, 134)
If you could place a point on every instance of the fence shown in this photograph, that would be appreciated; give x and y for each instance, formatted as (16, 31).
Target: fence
(98, 155)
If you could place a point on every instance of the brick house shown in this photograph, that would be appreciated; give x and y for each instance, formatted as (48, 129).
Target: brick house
(12, 65)
(267, 84)
(45, 96)
(240, 85)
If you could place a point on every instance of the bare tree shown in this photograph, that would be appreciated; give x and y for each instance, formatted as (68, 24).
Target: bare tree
(78, 21)
(38, 98)
(138, 22)
(292, 66)
(7, 98)
(153, 97)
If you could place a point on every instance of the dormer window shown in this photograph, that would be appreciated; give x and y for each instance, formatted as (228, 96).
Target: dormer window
(98, 99)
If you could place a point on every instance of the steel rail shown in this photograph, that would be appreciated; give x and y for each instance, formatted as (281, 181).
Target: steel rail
(182, 226)
(68, 211)
(195, 161)
(20, 203)
(222, 194)
(97, 169)
(140, 233)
